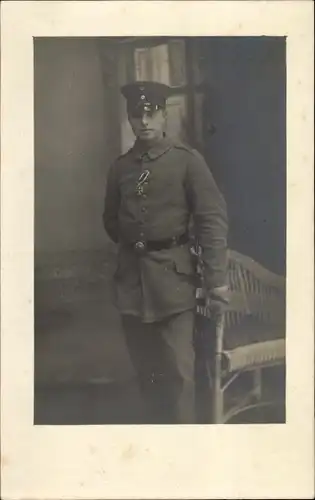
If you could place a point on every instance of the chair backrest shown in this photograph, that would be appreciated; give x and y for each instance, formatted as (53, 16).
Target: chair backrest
(255, 292)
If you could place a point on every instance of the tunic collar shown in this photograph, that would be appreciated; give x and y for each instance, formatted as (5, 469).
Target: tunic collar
(156, 150)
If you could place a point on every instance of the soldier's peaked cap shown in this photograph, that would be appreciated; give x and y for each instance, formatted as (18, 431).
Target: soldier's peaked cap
(145, 93)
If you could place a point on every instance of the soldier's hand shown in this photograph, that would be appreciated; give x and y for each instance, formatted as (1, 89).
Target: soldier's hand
(217, 300)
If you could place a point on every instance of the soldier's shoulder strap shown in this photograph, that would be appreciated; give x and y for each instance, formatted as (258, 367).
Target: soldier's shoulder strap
(120, 158)
(186, 147)
(123, 155)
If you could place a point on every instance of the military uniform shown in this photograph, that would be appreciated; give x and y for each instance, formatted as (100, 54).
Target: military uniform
(151, 196)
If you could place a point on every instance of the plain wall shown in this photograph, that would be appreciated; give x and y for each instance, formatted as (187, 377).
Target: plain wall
(246, 102)
(72, 148)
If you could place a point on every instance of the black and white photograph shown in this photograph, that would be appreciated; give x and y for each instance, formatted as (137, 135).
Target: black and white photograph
(157, 264)
(160, 230)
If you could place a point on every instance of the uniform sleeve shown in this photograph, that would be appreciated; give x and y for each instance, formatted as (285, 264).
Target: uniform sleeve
(210, 219)
(111, 205)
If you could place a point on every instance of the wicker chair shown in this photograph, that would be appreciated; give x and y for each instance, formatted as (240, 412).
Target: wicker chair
(249, 337)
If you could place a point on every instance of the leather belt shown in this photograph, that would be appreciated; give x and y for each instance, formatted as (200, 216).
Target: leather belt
(147, 246)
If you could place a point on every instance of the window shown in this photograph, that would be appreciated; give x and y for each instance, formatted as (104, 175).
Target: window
(163, 63)
(152, 63)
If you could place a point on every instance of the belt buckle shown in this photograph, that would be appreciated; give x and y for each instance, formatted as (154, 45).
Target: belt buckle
(140, 246)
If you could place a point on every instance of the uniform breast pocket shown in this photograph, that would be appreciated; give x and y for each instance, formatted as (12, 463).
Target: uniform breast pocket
(128, 185)
(168, 188)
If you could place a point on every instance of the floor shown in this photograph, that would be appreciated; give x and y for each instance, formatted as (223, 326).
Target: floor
(83, 373)
(93, 404)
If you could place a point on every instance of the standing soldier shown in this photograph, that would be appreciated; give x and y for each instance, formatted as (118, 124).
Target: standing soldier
(152, 192)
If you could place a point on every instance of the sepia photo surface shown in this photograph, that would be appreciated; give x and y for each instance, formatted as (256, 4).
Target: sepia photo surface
(75, 414)
(228, 101)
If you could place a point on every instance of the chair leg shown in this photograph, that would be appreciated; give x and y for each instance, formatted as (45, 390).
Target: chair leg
(218, 407)
(218, 393)
(218, 403)
(257, 384)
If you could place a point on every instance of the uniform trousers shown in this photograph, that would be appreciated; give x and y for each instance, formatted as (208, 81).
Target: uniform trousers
(163, 357)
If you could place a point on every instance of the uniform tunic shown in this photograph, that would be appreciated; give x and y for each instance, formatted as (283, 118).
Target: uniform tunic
(160, 283)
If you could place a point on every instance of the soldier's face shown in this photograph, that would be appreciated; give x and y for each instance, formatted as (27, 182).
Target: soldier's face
(148, 126)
